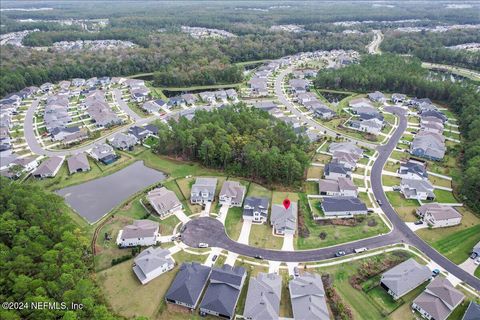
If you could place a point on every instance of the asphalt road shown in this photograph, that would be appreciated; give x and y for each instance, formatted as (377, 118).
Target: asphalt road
(117, 95)
(289, 105)
(211, 231)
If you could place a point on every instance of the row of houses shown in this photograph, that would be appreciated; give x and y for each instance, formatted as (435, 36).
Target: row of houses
(437, 301)
(367, 117)
(221, 288)
(339, 193)
(310, 101)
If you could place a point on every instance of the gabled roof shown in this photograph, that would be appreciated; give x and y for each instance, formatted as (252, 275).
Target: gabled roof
(334, 167)
(438, 211)
(284, 219)
(336, 204)
(163, 198)
(473, 312)
(405, 277)
(151, 259)
(308, 298)
(233, 189)
(78, 161)
(414, 167)
(49, 166)
(263, 297)
(140, 229)
(188, 283)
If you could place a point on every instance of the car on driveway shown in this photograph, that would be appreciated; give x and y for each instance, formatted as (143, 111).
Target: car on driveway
(435, 273)
(340, 253)
(477, 261)
(418, 222)
(214, 257)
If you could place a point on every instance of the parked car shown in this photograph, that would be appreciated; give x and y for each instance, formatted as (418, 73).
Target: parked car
(214, 257)
(340, 253)
(203, 245)
(258, 257)
(418, 222)
(477, 261)
(360, 250)
(296, 272)
(435, 272)
(379, 202)
(473, 255)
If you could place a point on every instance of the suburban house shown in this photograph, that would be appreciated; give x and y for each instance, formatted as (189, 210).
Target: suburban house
(153, 106)
(78, 82)
(398, 97)
(303, 98)
(140, 133)
(140, 233)
(123, 141)
(473, 312)
(203, 190)
(366, 112)
(151, 263)
(299, 85)
(256, 209)
(221, 95)
(263, 297)
(232, 94)
(284, 221)
(207, 96)
(324, 113)
(377, 96)
(189, 98)
(139, 94)
(360, 102)
(188, 285)
(346, 153)
(404, 277)
(434, 113)
(373, 126)
(429, 145)
(265, 105)
(342, 187)
(432, 126)
(104, 153)
(413, 170)
(308, 299)
(438, 300)
(223, 291)
(437, 215)
(164, 201)
(48, 168)
(476, 249)
(27, 164)
(417, 189)
(334, 170)
(78, 163)
(232, 194)
(343, 206)
(258, 86)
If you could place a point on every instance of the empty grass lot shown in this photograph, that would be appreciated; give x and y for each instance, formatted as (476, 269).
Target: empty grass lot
(436, 181)
(392, 167)
(390, 181)
(261, 236)
(314, 172)
(256, 190)
(233, 222)
(444, 196)
(405, 208)
(311, 187)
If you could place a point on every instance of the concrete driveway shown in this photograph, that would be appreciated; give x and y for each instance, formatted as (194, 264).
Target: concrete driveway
(287, 242)
(206, 211)
(469, 265)
(222, 214)
(181, 216)
(245, 233)
(209, 261)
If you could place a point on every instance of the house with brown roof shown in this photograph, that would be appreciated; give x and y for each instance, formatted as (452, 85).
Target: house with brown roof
(49, 168)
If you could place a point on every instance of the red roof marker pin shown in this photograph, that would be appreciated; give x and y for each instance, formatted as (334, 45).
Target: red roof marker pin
(286, 203)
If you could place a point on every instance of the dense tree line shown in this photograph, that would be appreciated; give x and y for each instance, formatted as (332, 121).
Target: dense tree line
(45, 258)
(240, 140)
(430, 46)
(393, 73)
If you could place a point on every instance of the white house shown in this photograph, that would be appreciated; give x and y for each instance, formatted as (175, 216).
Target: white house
(417, 189)
(140, 233)
(151, 263)
(232, 194)
(437, 215)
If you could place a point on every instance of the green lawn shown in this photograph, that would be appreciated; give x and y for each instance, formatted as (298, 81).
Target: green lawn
(440, 181)
(405, 208)
(390, 181)
(392, 167)
(279, 196)
(477, 272)
(256, 190)
(233, 222)
(457, 246)
(382, 300)
(314, 172)
(444, 196)
(311, 187)
(364, 197)
(261, 236)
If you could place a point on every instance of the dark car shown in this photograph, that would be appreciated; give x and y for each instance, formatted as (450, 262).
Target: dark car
(214, 257)
(418, 222)
(258, 257)
(340, 253)
(379, 202)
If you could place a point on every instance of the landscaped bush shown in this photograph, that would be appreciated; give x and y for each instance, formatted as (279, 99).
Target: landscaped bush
(121, 259)
(339, 309)
(373, 268)
(323, 235)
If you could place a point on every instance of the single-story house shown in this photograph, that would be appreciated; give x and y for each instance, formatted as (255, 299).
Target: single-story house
(256, 209)
(437, 215)
(28, 163)
(123, 141)
(377, 96)
(413, 170)
(207, 96)
(343, 206)
(231, 94)
(398, 97)
(308, 298)
(151, 263)
(342, 187)
(334, 170)
(284, 221)
(140, 133)
(48, 168)
(429, 145)
(140, 233)
(417, 189)
(473, 312)
(188, 285)
(324, 113)
(78, 163)
(203, 190)
(404, 277)
(263, 297)
(438, 300)
(369, 126)
(232, 193)
(104, 153)
(164, 201)
(223, 291)
(139, 94)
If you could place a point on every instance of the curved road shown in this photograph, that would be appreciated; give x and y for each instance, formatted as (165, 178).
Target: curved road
(211, 231)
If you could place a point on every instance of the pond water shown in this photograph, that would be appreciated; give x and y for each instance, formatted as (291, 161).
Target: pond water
(94, 199)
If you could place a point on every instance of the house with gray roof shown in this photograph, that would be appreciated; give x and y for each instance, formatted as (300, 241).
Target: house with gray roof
(27, 163)
(103, 152)
(151, 263)
(265, 105)
(123, 141)
(223, 291)
(256, 209)
(284, 221)
(417, 189)
(413, 170)
(203, 190)
(152, 106)
(48, 168)
(438, 300)
(298, 85)
(139, 233)
(258, 86)
(164, 201)
(360, 102)
(231, 94)
(188, 285)
(343, 206)
(434, 113)
(323, 113)
(308, 298)
(476, 249)
(78, 163)
(232, 193)
(263, 297)
(404, 277)
(377, 96)
(334, 170)
(398, 97)
(342, 187)
(371, 126)
(473, 312)
(437, 215)
(207, 96)
(189, 98)
(429, 145)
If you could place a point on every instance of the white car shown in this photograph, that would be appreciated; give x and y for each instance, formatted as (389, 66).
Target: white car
(203, 245)
(477, 261)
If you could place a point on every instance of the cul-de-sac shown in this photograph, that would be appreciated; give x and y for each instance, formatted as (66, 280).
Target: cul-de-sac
(240, 160)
